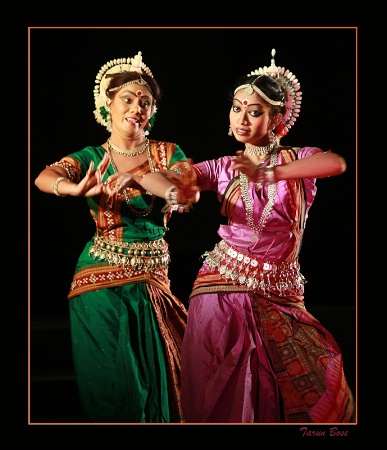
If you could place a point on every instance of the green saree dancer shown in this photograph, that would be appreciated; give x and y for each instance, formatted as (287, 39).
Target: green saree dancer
(126, 325)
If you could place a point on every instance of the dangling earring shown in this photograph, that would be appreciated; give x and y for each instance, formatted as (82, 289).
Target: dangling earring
(274, 138)
(230, 133)
(105, 111)
(151, 122)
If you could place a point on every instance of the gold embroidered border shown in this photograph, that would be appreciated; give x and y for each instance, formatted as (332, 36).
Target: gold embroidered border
(102, 276)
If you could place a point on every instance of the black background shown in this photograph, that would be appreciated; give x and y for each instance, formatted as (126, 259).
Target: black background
(196, 68)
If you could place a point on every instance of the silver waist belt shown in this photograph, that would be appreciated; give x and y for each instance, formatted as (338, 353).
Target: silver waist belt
(254, 273)
(145, 256)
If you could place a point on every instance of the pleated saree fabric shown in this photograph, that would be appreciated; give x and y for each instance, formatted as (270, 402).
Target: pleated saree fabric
(126, 325)
(251, 352)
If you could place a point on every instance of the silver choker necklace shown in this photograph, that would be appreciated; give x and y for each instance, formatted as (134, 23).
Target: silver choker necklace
(125, 152)
(258, 150)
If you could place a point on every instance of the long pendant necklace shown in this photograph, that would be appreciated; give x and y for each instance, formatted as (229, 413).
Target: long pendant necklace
(122, 151)
(249, 207)
(136, 212)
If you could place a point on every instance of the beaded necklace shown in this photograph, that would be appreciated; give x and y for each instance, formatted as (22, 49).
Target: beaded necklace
(136, 212)
(258, 150)
(244, 183)
(122, 151)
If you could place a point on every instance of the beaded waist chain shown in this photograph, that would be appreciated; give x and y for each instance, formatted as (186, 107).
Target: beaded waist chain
(243, 269)
(145, 256)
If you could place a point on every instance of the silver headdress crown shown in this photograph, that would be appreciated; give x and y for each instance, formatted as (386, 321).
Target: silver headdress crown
(102, 80)
(294, 96)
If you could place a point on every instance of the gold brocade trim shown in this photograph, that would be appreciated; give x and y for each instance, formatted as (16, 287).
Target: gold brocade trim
(100, 276)
(171, 316)
(284, 278)
(212, 283)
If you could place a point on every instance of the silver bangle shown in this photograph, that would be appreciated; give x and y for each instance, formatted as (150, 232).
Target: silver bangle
(55, 186)
(171, 195)
(265, 175)
(171, 202)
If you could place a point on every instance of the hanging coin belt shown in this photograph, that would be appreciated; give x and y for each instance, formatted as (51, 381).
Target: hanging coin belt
(255, 274)
(144, 256)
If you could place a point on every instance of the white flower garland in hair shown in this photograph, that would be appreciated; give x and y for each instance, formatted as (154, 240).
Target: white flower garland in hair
(294, 96)
(120, 65)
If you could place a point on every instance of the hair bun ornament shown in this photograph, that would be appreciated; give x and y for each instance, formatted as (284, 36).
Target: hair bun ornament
(120, 65)
(294, 96)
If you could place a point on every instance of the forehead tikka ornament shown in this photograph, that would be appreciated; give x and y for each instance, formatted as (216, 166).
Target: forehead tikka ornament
(292, 86)
(102, 80)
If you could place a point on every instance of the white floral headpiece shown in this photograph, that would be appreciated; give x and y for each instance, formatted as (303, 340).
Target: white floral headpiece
(120, 65)
(294, 96)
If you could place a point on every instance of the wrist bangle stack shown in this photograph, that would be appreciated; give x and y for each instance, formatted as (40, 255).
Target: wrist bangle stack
(171, 196)
(55, 186)
(171, 203)
(265, 175)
